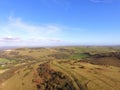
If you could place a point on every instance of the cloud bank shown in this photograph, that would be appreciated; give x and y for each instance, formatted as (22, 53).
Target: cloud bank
(16, 32)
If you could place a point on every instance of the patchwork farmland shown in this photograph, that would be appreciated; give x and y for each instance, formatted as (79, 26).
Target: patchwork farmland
(60, 68)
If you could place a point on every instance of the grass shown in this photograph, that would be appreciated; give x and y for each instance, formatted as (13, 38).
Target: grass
(76, 79)
(22, 78)
(85, 75)
(79, 56)
(3, 60)
(90, 78)
(8, 63)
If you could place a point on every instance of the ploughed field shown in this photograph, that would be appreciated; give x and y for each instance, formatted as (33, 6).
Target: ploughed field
(60, 68)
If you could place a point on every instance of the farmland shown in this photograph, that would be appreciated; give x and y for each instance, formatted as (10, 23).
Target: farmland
(60, 68)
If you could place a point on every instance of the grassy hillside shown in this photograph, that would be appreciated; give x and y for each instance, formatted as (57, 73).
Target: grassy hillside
(61, 68)
(86, 76)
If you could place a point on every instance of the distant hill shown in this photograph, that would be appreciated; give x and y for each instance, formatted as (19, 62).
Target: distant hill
(7, 47)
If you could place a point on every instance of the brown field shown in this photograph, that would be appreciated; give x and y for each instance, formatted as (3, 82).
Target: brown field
(61, 68)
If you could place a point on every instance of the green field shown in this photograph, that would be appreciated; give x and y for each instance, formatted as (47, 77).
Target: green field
(79, 56)
(3, 60)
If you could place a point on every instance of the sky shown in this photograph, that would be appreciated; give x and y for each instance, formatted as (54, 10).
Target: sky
(59, 22)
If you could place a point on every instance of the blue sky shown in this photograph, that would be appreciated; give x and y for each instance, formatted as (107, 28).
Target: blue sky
(59, 22)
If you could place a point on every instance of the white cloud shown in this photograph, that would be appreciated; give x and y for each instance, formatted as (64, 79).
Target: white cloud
(16, 41)
(32, 29)
(16, 30)
(9, 38)
(17, 27)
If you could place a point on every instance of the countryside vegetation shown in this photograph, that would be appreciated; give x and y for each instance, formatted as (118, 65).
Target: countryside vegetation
(60, 68)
